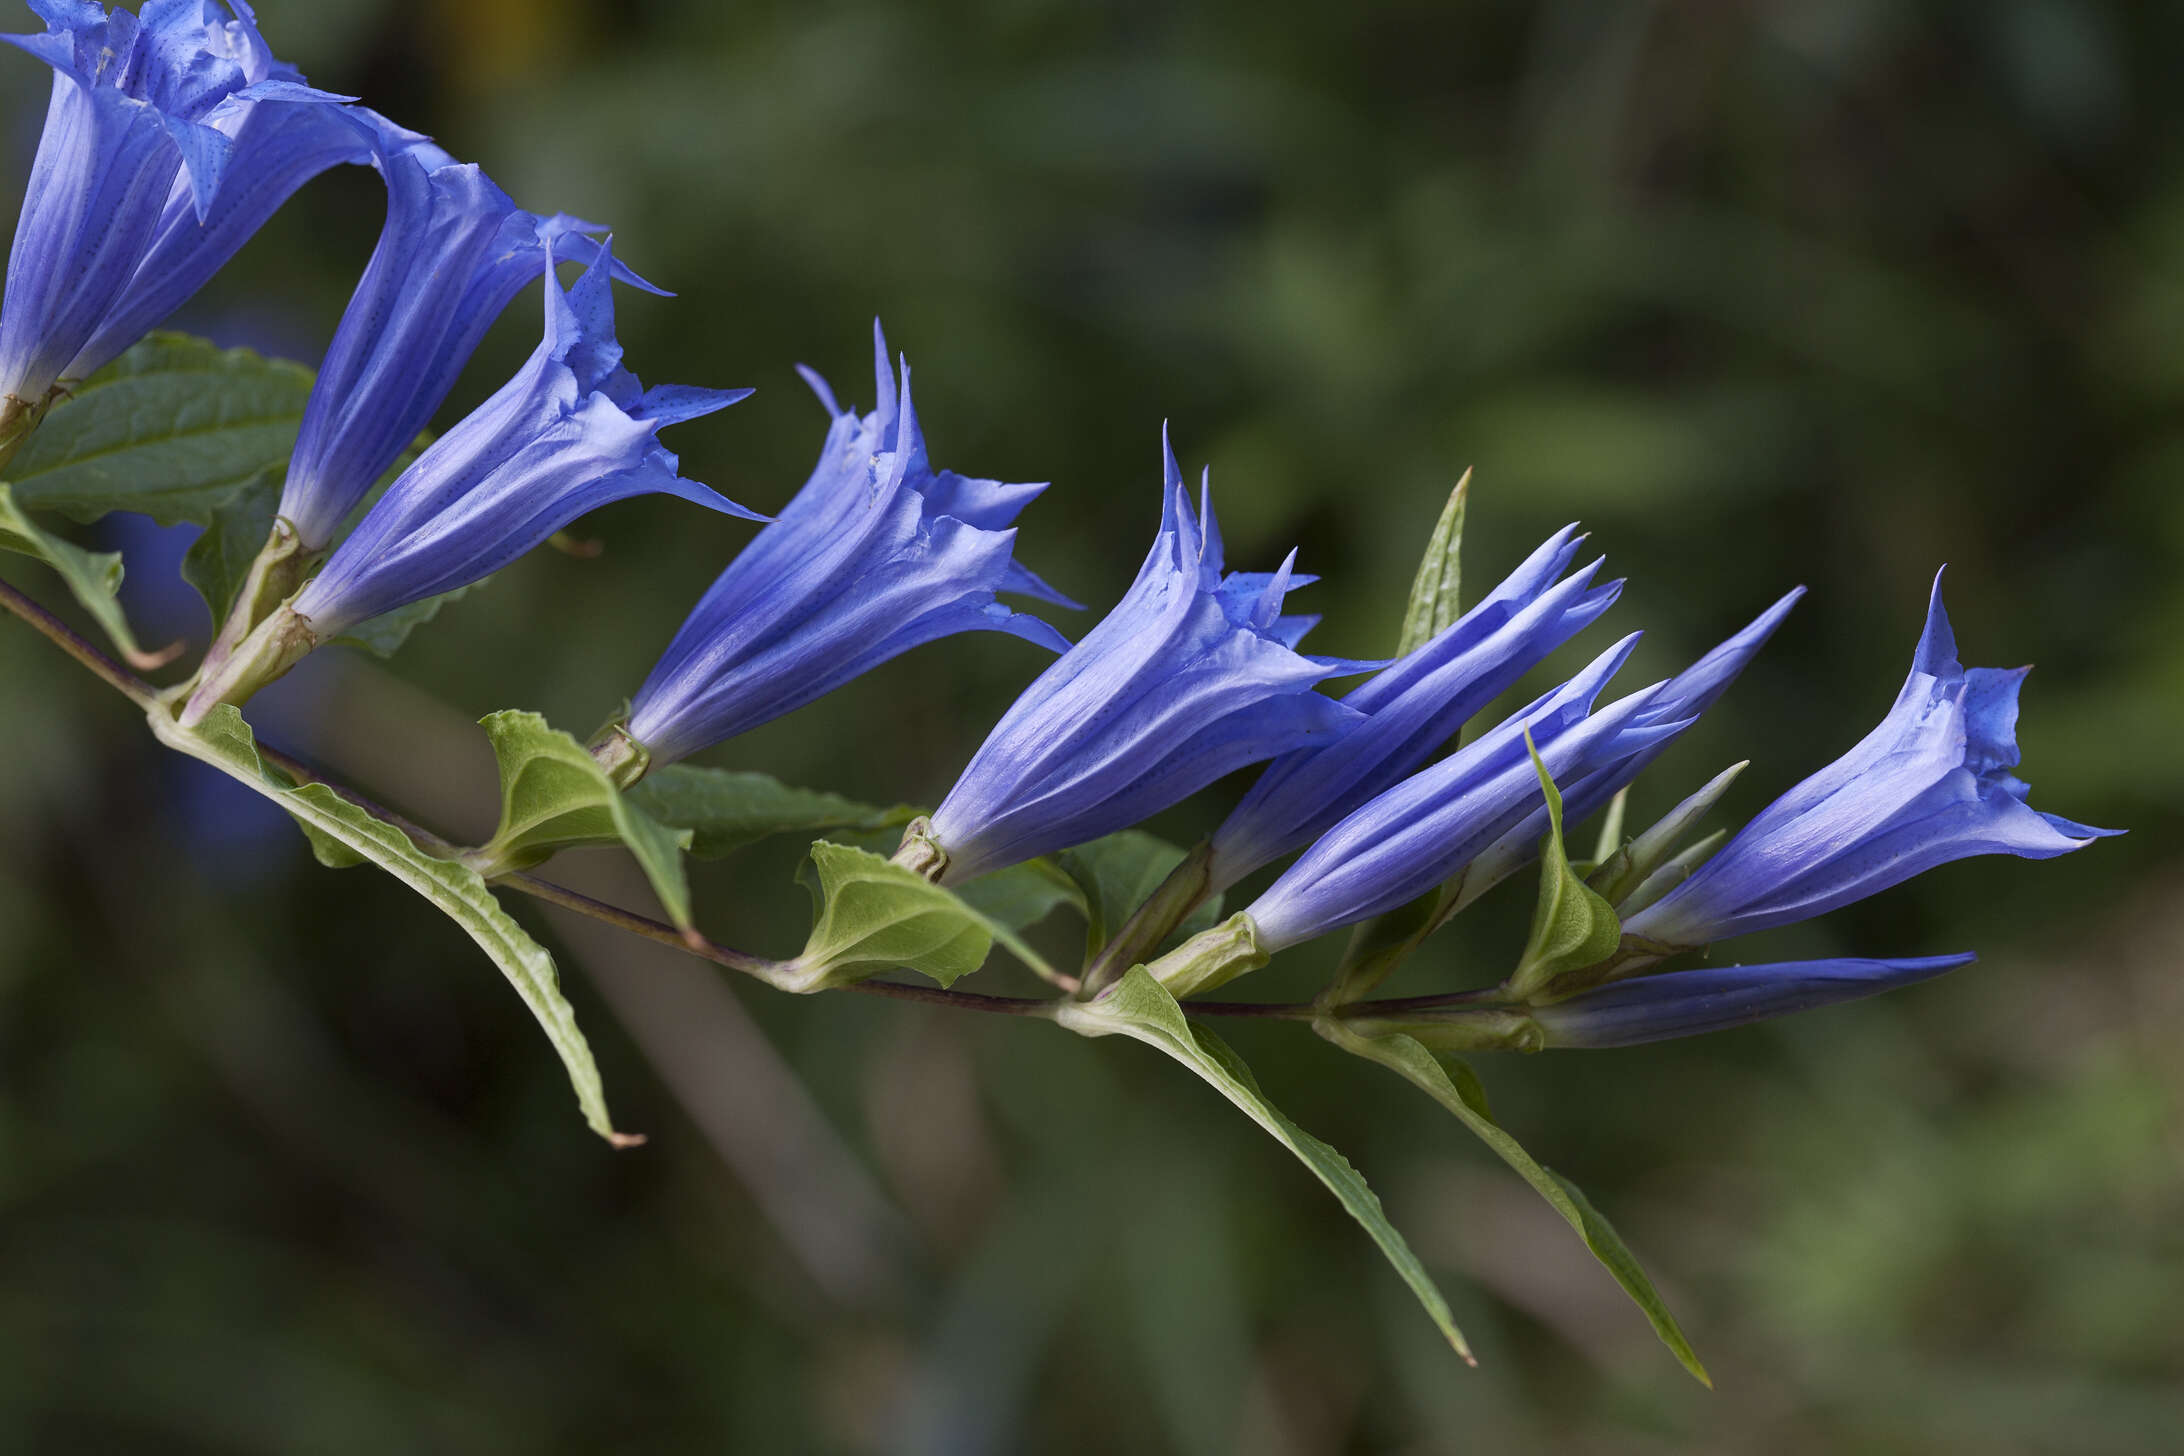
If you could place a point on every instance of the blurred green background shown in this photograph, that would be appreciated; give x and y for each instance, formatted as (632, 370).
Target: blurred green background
(1764, 293)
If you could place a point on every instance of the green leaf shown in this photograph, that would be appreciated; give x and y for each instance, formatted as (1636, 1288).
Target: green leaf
(872, 915)
(1436, 594)
(555, 796)
(726, 809)
(1023, 894)
(328, 851)
(92, 577)
(1117, 874)
(172, 428)
(224, 741)
(218, 561)
(1462, 1095)
(1140, 1008)
(384, 635)
(1572, 927)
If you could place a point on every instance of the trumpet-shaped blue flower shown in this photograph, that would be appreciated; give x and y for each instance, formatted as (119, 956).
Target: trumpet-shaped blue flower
(1412, 708)
(1683, 697)
(453, 255)
(877, 554)
(1715, 998)
(168, 141)
(1418, 833)
(1192, 676)
(572, 431)
(1931, 784)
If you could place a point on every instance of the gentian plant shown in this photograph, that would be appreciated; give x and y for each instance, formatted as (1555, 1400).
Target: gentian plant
(1376, 811)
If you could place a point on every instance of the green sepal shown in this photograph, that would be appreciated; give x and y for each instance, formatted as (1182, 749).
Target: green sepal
(1457, 1088)
(1489, 1026)
(1572, 927)
(172, 428)
(1621, 873)
(93, 578)
(1140, 1008)
(1610, 841)
(555, 796)
(1436, 594)
(224, 741)
(726, 809)
(1211, 958)
(1674, 873)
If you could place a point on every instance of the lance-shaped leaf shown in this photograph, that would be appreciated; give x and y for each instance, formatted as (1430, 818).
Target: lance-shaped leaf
(726, 809)
(93, 578)
(172, 428)
(555, 796)
(1377, 946)
(1117, 873)
(1436, 594)
(218, 561)
(383, 635)
(1461, 1094)
(225, 742)
(1572, 927)
(1023, 894)
(871, 915)
(1140, 1008)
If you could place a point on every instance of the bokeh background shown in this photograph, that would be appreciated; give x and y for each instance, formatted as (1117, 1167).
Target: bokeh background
(1764, 293)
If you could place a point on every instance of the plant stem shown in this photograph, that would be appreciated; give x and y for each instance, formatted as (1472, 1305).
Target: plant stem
(143, 694)
(115, 676)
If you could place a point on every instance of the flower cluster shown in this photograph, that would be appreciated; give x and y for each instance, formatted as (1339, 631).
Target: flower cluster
(172, 136)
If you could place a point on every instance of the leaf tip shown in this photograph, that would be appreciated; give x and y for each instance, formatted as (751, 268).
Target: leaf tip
(621, 1141)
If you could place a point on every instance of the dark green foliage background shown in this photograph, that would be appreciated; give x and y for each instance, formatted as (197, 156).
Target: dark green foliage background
(1764, 294)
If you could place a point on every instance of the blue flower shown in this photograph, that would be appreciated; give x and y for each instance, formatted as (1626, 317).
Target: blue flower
(1412, 709)
(1931, 784)
(1715, 998)
(168, 142)
(1192, 676)
(877, 554)
(1420, 832)
(1684, 696)
(572, 431)
(454, 253)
